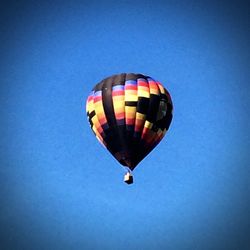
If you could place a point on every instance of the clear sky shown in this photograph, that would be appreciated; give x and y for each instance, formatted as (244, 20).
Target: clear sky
(60, 189)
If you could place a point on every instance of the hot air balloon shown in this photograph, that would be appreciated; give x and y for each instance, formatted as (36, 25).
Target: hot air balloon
(129, 115)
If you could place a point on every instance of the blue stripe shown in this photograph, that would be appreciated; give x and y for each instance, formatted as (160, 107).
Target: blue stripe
(120, 121)
(98, 93)
(131, 82)
(118, 87)
(105, 126)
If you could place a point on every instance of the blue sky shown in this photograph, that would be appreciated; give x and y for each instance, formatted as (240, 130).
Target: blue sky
(60, 189)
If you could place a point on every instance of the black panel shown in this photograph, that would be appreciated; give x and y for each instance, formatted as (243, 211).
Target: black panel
(113, 144)
(142, 105)
(163, 97)
(131, 104)
(166, 120)
(169, 115)
(115, 135)
(119, 79)
(108, 102)
(131, 76)
(153, 107)
(91, 114)
(91, 123)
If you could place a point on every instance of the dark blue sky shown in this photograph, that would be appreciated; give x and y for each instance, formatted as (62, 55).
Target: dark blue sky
(60, 189)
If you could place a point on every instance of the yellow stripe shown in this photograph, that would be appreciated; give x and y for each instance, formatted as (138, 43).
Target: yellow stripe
(119, 105)
(143, 93)
(140, 116)
(119, 109)
(89, 106)
(96, 124)
(99, 109)
(148, 125)
(130, 109)
(130, 92)
(118, 98)
(154, 91)
(95, 121)
(131, 98)
(130, 112)
(143, 88)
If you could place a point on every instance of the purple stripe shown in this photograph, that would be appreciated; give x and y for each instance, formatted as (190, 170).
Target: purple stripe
(120, 121)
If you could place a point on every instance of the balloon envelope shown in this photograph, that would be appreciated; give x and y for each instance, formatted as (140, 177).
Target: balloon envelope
(129, 114)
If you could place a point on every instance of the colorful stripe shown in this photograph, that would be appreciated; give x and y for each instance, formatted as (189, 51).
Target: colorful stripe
(131, 99)
(98, 106)
(118, 103)
(95, 125)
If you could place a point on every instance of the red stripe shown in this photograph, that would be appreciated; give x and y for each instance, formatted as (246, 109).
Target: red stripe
(130, 87)
(97, 98)
(139, 125)
(153, 85)
(118, 92)
(145, 132)
(100, 130)
(142, 83)
(130, 121)
(90, 98)
(102, 121)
